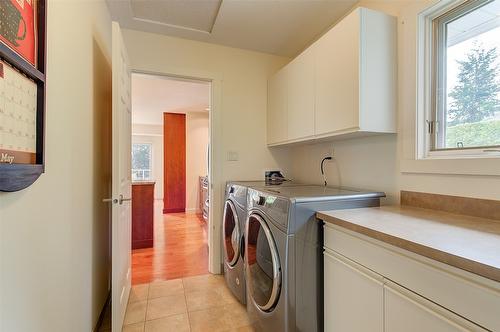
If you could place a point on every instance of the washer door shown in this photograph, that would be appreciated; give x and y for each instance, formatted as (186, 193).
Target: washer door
(231, 233)
(264, 269)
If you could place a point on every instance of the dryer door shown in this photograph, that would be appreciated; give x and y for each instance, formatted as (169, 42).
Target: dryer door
(263, 265)
(231, 234)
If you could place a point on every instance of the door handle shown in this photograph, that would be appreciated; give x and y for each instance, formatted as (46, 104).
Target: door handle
(121, 199)
(110, 200)
(118, 200)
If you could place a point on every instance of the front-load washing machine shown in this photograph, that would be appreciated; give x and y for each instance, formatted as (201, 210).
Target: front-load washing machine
(233, 225)
(283, 253)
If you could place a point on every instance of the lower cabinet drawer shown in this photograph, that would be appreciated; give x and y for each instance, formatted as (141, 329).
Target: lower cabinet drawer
(409, 312)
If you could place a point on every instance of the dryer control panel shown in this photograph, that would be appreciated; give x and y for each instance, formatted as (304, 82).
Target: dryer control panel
(274, 207)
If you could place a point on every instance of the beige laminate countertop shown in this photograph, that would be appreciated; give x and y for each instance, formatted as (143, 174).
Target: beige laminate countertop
(468, 243)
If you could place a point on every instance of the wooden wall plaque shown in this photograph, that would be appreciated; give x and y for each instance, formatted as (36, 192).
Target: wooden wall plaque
(22, 92)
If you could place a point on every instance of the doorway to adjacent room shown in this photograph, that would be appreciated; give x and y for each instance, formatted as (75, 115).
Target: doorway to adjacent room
(170, 168)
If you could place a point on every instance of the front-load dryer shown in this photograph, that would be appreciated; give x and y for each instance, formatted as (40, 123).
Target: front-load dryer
(283, 253)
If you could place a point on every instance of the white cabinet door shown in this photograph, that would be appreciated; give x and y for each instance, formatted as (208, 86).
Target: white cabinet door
(277, 108)
(354, 296)
(337, 77)
(409, 312)
(301, 96)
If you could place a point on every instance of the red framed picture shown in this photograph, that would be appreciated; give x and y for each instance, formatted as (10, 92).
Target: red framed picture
(18, 28)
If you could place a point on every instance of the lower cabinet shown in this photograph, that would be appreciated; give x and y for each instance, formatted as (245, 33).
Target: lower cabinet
(360, 299)
(409, 312)
(142, 214)
(354, 297)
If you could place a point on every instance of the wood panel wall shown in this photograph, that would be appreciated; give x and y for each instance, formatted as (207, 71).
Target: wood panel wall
(174, 169)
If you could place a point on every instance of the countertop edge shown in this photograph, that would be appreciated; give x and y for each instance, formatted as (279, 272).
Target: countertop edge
(478, 268)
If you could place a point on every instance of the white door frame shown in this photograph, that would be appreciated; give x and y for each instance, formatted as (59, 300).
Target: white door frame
(216, 190)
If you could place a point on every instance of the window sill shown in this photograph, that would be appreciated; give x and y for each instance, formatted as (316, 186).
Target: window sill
(477, 153)
(485, 166)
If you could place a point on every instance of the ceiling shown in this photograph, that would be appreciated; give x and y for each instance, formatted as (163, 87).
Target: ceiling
(152, 95)
(281, 27)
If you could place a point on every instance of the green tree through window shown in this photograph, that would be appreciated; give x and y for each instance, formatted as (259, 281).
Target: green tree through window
(141, 161)
(475, 97)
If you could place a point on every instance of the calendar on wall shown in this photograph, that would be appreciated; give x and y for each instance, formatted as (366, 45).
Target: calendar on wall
(17, 117)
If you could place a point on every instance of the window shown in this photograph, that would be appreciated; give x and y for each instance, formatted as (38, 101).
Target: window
(462, 78)
(141, 161)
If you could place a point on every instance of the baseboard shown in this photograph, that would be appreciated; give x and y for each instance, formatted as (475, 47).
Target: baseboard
(103, 312)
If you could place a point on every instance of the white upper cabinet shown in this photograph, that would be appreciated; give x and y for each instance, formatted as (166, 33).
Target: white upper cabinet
(337, 70)
(344, 85)
(301, 96)
(277, 108)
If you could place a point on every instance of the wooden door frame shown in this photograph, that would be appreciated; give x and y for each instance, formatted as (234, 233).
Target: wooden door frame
(217, 187)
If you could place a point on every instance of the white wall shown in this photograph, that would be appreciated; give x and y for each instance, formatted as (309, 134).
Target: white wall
(239, 105)
(196, 157)
(374, 162)
(149, 134)
(54, 235)
(366, 163)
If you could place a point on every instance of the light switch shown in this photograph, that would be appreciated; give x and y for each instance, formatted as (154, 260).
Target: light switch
(232, 156)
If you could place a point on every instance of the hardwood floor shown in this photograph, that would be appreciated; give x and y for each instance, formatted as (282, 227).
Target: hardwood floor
(180, 249)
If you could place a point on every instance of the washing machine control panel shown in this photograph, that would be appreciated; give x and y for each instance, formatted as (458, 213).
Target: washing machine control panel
(273, 206)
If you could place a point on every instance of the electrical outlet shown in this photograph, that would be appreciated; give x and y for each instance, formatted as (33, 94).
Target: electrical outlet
(232, 156)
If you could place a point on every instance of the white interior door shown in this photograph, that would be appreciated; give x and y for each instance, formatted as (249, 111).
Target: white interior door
(121, 182)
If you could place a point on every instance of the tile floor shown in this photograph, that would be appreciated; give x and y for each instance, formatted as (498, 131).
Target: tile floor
(197, 304)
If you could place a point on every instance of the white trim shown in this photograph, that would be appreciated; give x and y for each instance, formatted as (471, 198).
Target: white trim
(488, 152)
(453, 166)
(147, 135)
(216, 159)
(425, 59)
(419, 158)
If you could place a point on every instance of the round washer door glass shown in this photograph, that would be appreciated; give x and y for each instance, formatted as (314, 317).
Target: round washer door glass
(264, 272)
(231, 233)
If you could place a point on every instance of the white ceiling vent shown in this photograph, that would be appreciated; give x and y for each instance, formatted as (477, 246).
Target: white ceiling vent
(196, 15)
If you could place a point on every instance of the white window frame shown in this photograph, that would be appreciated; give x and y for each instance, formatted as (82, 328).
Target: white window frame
(150, 159)
(427, 84)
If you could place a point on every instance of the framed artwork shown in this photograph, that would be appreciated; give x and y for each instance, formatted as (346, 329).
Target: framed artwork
(18, 27)
(22, 92)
